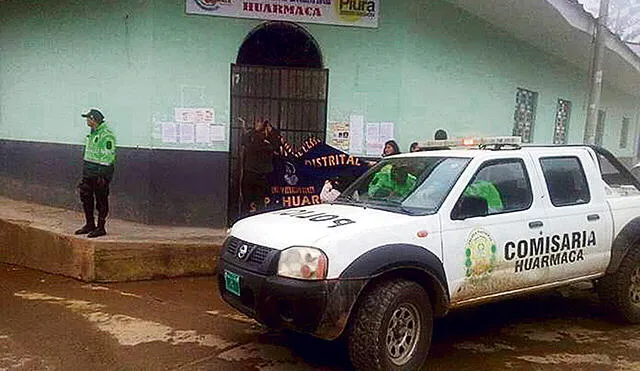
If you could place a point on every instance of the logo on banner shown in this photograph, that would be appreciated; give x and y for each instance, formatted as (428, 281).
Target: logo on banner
(354, 10)
(290, 176)
(211, 4)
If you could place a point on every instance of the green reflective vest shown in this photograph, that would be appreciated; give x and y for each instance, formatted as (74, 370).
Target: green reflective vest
(488, 191)
(383, 186)
(100, 147)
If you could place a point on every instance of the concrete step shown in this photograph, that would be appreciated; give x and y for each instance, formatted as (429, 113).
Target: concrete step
(41, 237)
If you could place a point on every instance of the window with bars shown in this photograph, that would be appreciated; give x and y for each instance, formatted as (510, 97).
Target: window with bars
(561, 126)
(525, 114)
(600, 127)
(624, 133)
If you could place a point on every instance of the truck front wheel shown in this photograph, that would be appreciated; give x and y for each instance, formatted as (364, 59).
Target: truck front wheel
(391, 328)
(620, 291)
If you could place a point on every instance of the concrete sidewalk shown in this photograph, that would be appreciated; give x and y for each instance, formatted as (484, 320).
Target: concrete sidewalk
(41, 237)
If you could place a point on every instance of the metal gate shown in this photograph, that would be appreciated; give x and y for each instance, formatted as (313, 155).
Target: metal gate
(294, 100)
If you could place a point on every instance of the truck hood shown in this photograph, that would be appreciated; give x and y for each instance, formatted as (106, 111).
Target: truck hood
(305, 226)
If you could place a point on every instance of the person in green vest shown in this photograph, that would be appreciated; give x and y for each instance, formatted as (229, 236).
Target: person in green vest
(392, 182)
(488, 191)
(97, 172)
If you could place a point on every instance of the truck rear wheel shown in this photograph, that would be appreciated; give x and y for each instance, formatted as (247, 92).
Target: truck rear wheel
(620, 291)
(391, 328)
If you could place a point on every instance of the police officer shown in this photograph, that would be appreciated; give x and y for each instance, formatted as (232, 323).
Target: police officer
(392, 181)
(97, 172)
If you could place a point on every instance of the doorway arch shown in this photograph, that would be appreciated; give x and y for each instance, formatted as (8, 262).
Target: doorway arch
(280, 44)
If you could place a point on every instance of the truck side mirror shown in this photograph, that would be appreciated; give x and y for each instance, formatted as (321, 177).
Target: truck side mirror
(470, 207)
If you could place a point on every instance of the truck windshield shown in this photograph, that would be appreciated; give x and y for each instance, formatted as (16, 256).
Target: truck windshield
(409, 185)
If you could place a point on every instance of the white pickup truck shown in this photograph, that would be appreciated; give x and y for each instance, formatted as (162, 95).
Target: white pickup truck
(424, 233)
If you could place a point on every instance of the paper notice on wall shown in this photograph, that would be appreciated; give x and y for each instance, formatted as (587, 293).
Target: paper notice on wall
(386, 131)
(374, 144)
(156, 133)
(203, 133)
(218, 133)
(356, 137)
(373, 132)
(187, 133)
(169, 132)
(195, 115)
(339, 135)
(374, 149)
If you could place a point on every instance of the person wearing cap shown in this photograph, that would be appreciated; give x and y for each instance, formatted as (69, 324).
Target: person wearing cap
(440, 134)
(97, 172)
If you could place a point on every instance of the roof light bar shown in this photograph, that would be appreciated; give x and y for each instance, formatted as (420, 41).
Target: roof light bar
(472, 142)
(502, 140)
(439, 143)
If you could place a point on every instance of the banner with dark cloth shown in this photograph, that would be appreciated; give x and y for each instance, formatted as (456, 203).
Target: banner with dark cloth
(299, 175)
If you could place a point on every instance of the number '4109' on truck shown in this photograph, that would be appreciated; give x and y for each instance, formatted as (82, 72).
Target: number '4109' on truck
(424, 233)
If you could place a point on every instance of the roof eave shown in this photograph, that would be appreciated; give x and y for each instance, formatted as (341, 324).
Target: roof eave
(564, 29)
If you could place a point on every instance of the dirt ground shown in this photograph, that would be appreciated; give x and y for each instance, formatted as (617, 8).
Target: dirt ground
(49, 322)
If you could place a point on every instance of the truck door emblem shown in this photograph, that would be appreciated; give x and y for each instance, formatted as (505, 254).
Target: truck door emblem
(242, 252)
(480, 252)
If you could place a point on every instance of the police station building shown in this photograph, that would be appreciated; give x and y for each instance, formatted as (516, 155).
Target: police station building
(180, 82)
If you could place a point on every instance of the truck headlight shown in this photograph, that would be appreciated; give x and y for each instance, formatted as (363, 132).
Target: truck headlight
(306, 263)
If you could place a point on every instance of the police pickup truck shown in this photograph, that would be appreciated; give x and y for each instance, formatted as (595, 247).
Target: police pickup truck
(425, 233)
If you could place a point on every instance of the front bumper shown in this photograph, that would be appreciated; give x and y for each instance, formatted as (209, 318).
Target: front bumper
(319, 308)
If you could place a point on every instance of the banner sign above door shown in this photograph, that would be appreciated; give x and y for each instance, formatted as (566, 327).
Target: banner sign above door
(356, 13)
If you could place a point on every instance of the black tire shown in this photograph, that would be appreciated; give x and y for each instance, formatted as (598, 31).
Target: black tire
(620, 291)
(395, 304)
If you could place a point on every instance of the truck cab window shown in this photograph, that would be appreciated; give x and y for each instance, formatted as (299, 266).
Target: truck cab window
(410, 185)
(566, 181)
(503, 184)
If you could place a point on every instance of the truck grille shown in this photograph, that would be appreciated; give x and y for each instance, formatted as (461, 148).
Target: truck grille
(254, 255)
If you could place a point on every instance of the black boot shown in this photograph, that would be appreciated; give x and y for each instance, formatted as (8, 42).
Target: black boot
(87, 228)
(99, 231)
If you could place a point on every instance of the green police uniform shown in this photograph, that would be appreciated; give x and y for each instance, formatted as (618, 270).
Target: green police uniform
(383, 184)
(97, 171)
(100, 152)
(488, 191)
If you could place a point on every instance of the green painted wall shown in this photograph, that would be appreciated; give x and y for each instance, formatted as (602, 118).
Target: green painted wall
(428, 65)
(56, 60)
